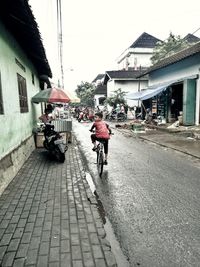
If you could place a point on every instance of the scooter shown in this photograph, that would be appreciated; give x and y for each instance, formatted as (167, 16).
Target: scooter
(82, 116)
(54, 142)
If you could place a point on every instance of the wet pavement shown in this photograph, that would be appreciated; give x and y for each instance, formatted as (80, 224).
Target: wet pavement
(180, 141)
(49, 216)
(150, 194)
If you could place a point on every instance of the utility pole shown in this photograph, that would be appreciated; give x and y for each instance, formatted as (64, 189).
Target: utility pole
(60, 40)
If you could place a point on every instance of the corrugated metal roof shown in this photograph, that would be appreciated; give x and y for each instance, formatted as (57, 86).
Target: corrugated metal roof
(18, 18)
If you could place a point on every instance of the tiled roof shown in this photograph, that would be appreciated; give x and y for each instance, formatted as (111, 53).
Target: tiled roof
(18, 18)
(99, 77)
(145, 41)
(192, 50)
(123, 74)
(191, 38)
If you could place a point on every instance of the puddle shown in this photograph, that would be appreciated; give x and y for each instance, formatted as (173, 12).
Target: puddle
(110, 236)
(90, 182)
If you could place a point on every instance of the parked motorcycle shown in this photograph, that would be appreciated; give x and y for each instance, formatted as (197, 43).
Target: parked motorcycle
(54, 142)
(114, 116)
(82, 116)
(85, 117)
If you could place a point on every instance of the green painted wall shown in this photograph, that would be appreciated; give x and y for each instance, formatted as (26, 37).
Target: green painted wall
(15, 126)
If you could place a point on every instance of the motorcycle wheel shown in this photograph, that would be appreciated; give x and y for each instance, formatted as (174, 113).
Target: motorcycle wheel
(45, 144)
(60, 156)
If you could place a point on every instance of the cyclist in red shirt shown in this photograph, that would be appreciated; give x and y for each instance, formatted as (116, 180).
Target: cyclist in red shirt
(102, 132)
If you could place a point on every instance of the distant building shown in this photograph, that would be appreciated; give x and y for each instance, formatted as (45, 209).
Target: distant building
(100, 91)
(139, 53)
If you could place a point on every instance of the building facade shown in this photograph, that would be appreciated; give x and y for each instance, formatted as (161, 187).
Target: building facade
(22, 75)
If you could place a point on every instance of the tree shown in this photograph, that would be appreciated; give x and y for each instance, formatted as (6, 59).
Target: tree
(85, 91)
(117, 98)
(166, 48)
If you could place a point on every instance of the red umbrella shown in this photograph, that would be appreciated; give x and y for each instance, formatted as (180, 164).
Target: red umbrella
(51, 95)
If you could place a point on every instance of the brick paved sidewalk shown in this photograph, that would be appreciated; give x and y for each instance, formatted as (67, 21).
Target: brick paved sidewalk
(49, 217)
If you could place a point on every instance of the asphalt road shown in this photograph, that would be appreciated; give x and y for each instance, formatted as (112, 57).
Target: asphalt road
(151, 196)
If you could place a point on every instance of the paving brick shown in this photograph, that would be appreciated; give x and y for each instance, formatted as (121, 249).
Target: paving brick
(18, 232)
(26, 237)
(44, 248)
(11, 228)
(100, 263)
(37, 231)
(47, 220)
(19, 262)
(42, 261)
(32, 257)
(46, 235)
(13, 245)
(65, 246)
(97, 251)
(75, 239)
(54, 254)
(4, 224)
(29, 227)
(77, 263)
(22, 251)
(76, 253)
(2, 252)
(65, 260)
(8, 259)
(6, 239)
(15, 219)
(34, 243)
(22, 223)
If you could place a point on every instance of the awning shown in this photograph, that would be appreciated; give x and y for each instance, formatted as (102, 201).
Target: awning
(155, 89)
(149, 93)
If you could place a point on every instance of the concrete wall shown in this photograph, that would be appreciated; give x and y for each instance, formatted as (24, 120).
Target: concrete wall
(16, 127)
(126, 86)
(180, 70)
(135, 57)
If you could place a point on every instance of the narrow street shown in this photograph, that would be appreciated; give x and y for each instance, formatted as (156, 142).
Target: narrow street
(151, 197)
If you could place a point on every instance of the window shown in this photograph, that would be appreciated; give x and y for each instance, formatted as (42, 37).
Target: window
(20, 64)
(22, 94)
(1, 98)
(101, 100)
(33, 78)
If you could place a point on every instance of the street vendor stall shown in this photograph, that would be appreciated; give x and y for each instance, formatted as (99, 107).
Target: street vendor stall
(62, 124)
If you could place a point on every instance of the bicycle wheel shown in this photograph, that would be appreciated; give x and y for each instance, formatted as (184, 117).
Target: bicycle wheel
(100, 163)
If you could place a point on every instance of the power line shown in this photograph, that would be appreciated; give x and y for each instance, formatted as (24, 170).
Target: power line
(60, 39)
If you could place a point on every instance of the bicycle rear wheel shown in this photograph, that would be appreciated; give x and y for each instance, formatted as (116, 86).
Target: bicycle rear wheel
(100, 163)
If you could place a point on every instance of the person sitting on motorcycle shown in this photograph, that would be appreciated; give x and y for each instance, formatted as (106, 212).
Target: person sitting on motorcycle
(102, 132)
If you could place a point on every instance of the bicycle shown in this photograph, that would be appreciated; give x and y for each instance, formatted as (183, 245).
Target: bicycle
(100, 156)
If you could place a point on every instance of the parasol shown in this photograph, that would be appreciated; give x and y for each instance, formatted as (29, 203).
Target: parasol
(51, 95)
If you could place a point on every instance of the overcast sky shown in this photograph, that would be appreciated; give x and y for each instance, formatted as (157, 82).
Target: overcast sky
(96, 32)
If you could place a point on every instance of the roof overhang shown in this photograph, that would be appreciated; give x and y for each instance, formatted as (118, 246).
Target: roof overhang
(18, 19)
(154, 90)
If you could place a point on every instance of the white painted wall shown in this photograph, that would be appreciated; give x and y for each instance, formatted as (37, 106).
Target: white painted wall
(126, 86)
(136, 57)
